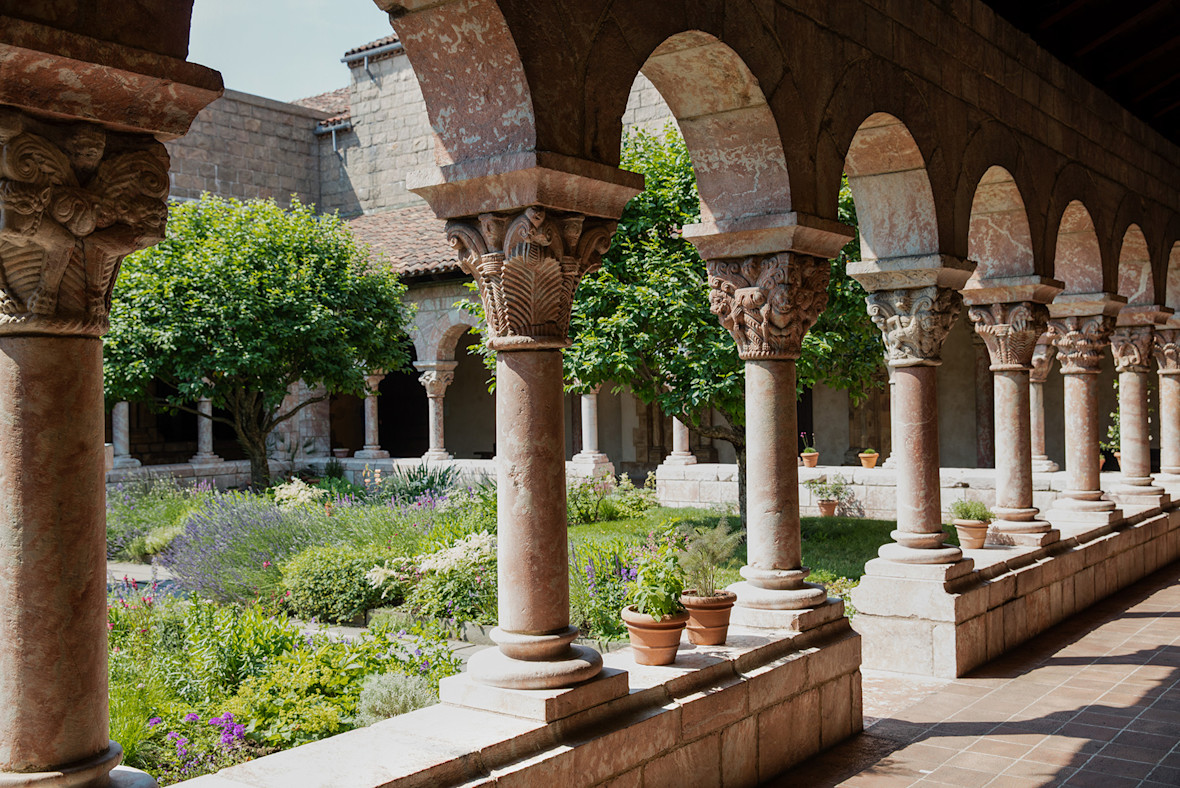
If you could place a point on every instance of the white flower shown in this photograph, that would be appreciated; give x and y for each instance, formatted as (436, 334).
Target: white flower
(472, 549)
(297, 493)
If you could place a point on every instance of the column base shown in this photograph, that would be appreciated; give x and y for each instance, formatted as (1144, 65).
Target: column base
(125, 463)
(680, 458)
(544, 705)
(803, 597)
(128, 777)
(92, 771)
(204, 459)
(831, 609)
(437, 455)
(371, 454)
(1044, 465)
(1170, 482)
(1141, 497)
(1020, 527)
(1023, 538)
(534, 662)
(591, 465)
(1083, 507)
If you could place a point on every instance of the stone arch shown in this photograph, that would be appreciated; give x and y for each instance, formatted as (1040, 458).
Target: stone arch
(872, 94)
(999, 239)
(730, 131)
(1135, 281)
(469, 68)
(1172, 280)
(1076, 211)
(438, 333)
(895, 204)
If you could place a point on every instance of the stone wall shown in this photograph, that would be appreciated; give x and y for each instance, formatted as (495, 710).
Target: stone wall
(248, 146)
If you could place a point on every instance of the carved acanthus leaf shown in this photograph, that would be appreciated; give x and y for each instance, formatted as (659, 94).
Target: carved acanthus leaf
(1042, 359)
(1079, 342)
(768, 302)
(74, 200)
(1010, 332)
(1132, 348)
(436, 381)
(914, 322)
(527, 266)
(1167, 350)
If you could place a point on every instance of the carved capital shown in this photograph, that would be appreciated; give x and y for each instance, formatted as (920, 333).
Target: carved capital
(768, 302)
(1010, 332)
(1132, 348)
(373, 381)
(435, 381)
(1042, 359)
(74, 201)
(1166, 347)
(1079, 342)
(527, 265)
(915, 322)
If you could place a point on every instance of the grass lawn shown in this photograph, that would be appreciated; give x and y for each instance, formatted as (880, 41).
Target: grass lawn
(836, 548)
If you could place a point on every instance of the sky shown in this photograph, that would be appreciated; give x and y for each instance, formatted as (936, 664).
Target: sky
(282, 49)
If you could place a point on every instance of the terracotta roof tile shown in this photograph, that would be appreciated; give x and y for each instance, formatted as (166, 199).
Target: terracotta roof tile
(334, 103)
(410, 238)
(380, 42)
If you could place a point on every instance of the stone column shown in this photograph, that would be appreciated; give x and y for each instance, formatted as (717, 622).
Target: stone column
(527, 264)
(1010, 332)
(681, 451)
(1079, 341)
(914, 323)
(1167, 357)
(1042, 362)
(74, 200)
(435, 378)
(205, 452)
(590, 462)
(985, 405)
(121, 436)
(768, 303)
(372, 449)
(891, 460)
(1132, 347)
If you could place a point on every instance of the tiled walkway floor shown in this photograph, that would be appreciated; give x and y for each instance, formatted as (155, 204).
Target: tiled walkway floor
(1093, 702)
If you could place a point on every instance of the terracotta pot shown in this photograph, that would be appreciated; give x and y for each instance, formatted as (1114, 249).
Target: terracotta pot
(972, 533)
(340, 453)
(654, 642)
(1101, 461)
(811, 459)
(868, 460)
(708, 616)
(828, 508)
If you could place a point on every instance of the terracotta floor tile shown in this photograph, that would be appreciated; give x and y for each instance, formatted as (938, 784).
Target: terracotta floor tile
(981, 762)
(960, 777)
(1116, 766)
(990, 746)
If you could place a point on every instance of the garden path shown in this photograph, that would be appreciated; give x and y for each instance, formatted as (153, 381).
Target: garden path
(1093, 701)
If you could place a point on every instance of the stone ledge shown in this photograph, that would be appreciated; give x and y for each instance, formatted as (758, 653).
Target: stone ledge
(750, 710)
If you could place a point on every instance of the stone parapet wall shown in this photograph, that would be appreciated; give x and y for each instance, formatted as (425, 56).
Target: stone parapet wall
(874, 490)
(944, 620)
(224, 474)
(735, 715)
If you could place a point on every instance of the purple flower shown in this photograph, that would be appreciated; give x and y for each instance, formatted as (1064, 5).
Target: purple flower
(154, 721)
(215, 720)
(192, 716)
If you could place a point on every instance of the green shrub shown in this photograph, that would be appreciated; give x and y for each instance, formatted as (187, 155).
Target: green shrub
(334, 469)
(394, 578)
(970, 510)
(386, 695)
(136, 510)
(328, 583)
(458, 582)
(339, 487)
(408, 485)
(659, 581)
(601, 576)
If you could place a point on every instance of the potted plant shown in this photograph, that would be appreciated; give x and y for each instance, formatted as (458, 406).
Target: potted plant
(830, 493)
(810, 455)
(656, 618)
(971, 519)
(708, 608)
(868, 458)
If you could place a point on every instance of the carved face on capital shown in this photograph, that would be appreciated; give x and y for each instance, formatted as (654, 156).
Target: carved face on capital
(85, 147)
(21, 207)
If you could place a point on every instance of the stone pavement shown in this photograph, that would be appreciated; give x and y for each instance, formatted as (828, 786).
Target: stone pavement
(1095, 701)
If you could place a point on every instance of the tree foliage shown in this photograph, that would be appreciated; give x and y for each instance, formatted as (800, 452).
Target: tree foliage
(241, 301)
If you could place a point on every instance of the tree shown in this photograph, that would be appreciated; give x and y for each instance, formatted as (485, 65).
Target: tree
(242, 300)
(643, 319)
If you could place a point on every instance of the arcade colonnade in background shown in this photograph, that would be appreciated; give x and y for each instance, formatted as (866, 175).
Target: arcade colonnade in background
(983, 172)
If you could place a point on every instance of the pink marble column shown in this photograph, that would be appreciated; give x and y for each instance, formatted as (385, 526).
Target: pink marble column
(436, 377)
(53, 635)
(1167, 357)
(1042, 362)
(681, 451)
(205, 452)
(589, 461)
(534, 258)
(1011, 331)
(768, 303)
(372, 449)
(1132, 349)
(1080, 341)
(914, 323)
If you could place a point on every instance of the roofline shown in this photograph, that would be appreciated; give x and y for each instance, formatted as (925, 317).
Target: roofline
(390, 49)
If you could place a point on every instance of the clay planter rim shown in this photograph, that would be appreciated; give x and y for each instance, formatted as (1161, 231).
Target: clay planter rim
(654, 642)
(810, 459)
(827, 508)
(722, 598)
(868, 460)
(673, 621)
(971, 529)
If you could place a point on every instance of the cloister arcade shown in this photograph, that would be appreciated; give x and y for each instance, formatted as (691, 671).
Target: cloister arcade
(984, 172)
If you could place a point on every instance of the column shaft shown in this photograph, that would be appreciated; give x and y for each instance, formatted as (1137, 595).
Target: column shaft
(1013, 440)
(681, 451)
(919, 507)
(590, 423)
(437, 438)
(372, 449)
(1081, 442)
(204, 432)
(53, 658)
(121, 435)
(1134, 435)
(1037, 420)
(1170, 424)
